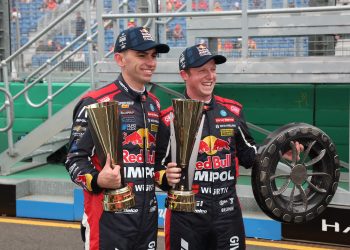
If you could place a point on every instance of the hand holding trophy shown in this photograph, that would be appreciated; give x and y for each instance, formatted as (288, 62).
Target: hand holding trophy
(104, 124)
(185, 134)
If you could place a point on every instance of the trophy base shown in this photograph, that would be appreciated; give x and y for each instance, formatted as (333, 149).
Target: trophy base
(182, 201)
(119, 199)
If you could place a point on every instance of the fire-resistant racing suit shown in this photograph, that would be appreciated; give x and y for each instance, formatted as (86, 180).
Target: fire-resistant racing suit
(217, 222)
(134, 228)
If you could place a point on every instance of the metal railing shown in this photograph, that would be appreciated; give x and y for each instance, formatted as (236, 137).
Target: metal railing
(50, 96)
(4, 66)
(9, 118)
(51, 67)
(101, 17)
(9, 108)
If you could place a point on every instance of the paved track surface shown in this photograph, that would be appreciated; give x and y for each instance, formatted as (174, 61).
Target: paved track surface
(30, 234)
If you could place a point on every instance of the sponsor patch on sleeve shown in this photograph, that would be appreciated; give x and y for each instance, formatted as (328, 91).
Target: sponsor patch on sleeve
(166, 119)
(85, 181)
(158, 176)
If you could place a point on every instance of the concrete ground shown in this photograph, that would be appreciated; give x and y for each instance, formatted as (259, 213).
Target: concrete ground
(30, 234)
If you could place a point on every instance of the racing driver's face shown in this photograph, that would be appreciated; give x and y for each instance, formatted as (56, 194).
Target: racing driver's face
(137, 66)
(200, 81)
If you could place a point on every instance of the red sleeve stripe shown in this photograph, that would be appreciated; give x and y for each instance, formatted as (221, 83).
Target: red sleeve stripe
(155, 99)
(165, 115)
(166, 111)
(106, 90)
(167, 228)
(227, 101)
(231, 105)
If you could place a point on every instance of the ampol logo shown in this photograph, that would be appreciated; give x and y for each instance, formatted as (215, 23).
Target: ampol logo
(210, 145)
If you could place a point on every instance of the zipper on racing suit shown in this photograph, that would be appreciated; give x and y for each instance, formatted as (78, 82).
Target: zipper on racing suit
(145, 155)
(212, 206)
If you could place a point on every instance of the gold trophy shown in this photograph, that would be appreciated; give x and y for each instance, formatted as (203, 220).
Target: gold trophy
(185, 135)
(104, 124)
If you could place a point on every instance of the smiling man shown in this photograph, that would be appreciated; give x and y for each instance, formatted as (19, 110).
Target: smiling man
(217, 221)
(226, 143)
(135, 228)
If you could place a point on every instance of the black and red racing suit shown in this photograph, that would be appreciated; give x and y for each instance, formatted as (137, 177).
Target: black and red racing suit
(217, 222)
(134, 228)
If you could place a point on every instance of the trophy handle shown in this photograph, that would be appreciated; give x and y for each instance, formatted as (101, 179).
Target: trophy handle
(172, 138)
(194, 154)
(119, 153)
(172, 141)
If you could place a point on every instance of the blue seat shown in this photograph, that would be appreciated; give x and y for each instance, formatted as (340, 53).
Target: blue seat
(24, 40)
(24, 29)
(35, 61)
(39, 59)
(236, 53)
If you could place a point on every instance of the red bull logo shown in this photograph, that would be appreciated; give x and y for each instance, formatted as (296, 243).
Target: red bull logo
(220, 145)
(85, 181)
(81, 179)
(151, 140)
(210, 145)
(138, 158)
(203, 147)
(137, 138)
(214, 162)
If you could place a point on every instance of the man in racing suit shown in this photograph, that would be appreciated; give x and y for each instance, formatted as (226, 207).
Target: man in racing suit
(225, 144)
(134, 228)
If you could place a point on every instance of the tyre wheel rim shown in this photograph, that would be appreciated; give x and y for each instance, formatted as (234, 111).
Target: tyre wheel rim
(296, 190)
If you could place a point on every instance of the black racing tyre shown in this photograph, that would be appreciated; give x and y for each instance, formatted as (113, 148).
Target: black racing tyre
(256, 172)
(295, 190)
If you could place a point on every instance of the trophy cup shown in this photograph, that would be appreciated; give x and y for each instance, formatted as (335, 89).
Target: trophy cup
(185, 139)
(104, 124)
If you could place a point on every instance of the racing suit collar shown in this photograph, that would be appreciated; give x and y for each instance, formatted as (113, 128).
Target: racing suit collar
(123, 86)
(207, 106)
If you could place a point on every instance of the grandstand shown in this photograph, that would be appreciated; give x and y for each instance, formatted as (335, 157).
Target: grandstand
(288, 61)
